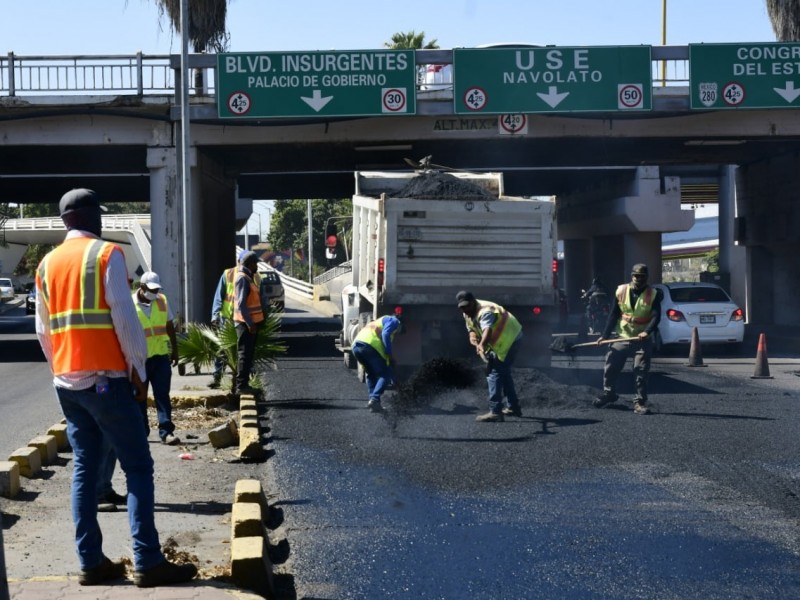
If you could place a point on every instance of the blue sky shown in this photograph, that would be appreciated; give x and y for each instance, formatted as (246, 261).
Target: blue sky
(47, 27)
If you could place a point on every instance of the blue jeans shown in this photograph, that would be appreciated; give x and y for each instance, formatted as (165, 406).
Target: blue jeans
(115, 416)
(159, 377)
(108, 461)
(379, 374)
(500, 381)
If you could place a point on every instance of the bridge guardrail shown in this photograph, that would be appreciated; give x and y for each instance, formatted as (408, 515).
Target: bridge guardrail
(142, 74)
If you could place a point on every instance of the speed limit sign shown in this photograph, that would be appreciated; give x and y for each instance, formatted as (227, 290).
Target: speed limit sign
(393, 100)
(630, 95)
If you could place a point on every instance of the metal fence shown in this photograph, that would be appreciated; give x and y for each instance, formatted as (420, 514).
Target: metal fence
(142, 74)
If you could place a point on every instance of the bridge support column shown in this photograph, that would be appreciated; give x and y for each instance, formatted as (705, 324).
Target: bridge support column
(165, 223)
(578, 262)
(768, 223)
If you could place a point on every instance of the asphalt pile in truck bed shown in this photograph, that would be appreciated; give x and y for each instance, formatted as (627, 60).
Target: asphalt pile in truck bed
(435, 185)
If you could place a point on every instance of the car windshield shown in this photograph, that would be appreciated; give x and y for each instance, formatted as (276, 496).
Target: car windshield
(698, 294)
(5, 283)
(270, 277)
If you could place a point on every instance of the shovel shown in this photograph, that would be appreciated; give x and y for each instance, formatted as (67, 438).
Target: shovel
(560, 344)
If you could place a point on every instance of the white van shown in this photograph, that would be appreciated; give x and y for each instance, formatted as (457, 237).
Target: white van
(6, 289)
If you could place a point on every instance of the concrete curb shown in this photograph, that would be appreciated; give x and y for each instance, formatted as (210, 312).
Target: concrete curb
(9, 478)
(250, 447)
(251, 566)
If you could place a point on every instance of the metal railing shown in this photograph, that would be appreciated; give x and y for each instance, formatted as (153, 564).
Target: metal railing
(142, 74)
(110, 222)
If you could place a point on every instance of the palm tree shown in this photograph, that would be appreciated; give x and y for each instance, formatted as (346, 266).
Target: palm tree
(207, 32)
(201, 344)
(411, 40)
(785, 18)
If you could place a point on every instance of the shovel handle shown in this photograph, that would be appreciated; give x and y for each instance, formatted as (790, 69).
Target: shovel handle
(604, 342)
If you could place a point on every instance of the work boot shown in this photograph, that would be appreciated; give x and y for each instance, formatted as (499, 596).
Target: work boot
(605, 399)
(640, 408)
(171, 439)
(375, 405)
(116, 498)
(490, 417)
(512, 412)
(166, 573)
(105, 571)
(106, 507)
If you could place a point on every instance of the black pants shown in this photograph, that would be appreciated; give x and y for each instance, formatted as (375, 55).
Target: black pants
(616, 358)
(246, 346)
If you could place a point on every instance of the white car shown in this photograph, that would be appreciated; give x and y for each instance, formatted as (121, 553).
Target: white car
(6, 289)
(703, 305)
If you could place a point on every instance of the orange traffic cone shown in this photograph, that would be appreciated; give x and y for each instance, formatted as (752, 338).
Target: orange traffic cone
(695, 356)
(762, 367)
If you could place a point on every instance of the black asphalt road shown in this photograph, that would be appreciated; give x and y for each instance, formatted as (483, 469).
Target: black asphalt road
(698, 500)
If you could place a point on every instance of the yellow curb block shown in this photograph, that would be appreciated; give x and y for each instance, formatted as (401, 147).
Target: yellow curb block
(47, 447)
(251, 567)
(59, 431)
(29, 461)
(250, 490)
(9, 478)
(246, 520)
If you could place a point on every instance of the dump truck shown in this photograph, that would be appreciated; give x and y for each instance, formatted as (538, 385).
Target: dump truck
(420, 237)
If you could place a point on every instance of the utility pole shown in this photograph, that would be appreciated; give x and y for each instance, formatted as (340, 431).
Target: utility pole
(310, 245)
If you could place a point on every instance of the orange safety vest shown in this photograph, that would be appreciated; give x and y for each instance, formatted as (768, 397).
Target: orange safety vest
(253, 301)
(70, 280)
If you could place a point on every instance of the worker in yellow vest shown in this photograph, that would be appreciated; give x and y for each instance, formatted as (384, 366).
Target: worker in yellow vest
(497, 336)
(636, 314)
(248, 315)
(373, 349)
(96, 350)
(157, 321)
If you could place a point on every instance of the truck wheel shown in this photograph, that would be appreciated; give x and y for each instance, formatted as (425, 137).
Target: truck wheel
(349, 360)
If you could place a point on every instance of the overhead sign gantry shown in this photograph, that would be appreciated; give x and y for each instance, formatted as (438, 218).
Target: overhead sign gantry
(316, 84)
(729, 76)
(552, 79)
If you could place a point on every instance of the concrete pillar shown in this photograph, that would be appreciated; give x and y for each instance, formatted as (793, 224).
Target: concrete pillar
(607, 260)
(214, 221)
(165, 220)
(732, 258)
(761, 286)
(643, 247)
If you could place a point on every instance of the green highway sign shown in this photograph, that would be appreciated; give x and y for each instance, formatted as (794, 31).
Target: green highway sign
(316, 84)
(744, 75)
(552, 79)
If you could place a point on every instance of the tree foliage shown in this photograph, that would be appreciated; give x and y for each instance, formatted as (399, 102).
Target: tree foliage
(207, 30)
(410, 40)
(289, 229)
(785, 18)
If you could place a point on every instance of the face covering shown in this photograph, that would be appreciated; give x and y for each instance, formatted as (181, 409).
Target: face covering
(151, 295)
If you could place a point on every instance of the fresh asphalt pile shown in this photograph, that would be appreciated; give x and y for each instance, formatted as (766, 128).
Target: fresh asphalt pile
(435, 185)
(443, 384)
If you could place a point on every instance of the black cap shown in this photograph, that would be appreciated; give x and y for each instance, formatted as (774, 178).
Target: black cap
(78, 199)
(640, 269)
(463, 298)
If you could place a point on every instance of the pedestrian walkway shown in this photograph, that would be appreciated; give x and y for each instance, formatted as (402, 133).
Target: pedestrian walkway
(188, 390)
(68, 588)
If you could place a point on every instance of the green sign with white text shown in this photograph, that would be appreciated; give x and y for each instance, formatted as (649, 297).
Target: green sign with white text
(316, 84)
(725, 76)
(552, 79)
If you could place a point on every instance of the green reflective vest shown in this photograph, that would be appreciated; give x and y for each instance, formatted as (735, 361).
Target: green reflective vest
(634, 319)
(503, 332)
(155, 326)
(372, 334)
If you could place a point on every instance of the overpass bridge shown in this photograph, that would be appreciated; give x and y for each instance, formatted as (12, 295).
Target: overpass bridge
(113, 123)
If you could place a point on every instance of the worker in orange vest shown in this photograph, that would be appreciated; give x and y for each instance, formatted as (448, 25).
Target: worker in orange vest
(248, 315)
(93, 341)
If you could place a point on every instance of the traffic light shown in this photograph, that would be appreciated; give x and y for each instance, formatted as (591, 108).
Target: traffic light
(330, 241)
